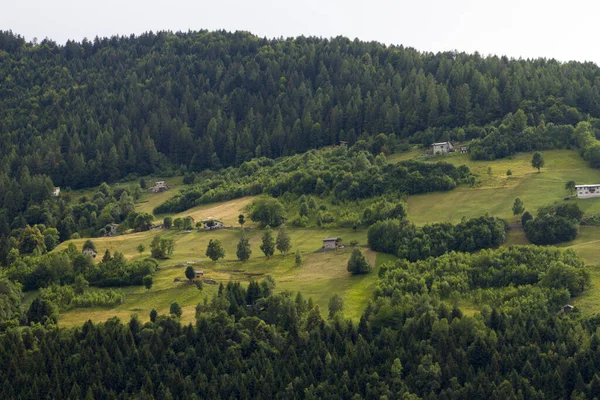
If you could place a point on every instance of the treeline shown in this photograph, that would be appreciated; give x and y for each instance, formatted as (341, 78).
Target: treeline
(344, 174)
(407, 241)
(250, 343)
(98, 110)
(63, 268)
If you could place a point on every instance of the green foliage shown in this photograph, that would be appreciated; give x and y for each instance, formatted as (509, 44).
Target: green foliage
(414, 243)
(175, 310)
(298, 258)
(358, 264)
(148, 281)
(153, 315)
(518, 207)
(537, 161)
(190, 273)
(331, 172)
(168, 222)
(336, 305)
(88, 244)
(162, 248)
(283, 241)
(267, 212)
(508, 172)
(215, 250)
(42, 311)
(570, 186)
(140, 248)
(188, 223)
(10, 303)
(526, 217)
(267, 245)
(241, 220)
(554, 224)
(243, 251)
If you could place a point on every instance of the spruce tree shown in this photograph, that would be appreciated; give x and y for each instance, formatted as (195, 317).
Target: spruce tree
(268, 243)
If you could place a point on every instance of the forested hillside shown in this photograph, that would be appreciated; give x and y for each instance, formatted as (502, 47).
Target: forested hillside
(98, 110)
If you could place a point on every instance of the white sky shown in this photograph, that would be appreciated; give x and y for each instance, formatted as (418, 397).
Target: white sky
(565, 30)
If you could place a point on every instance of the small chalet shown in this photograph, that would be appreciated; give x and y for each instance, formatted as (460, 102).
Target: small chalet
(343, 143)
(56, 191)
(159, 186)
(464, 149)
(567, 308)
(331, 243)
(586, 191)
(212, 224)
(442, 148)
(111, 229)
(199, 274)
(89, 252)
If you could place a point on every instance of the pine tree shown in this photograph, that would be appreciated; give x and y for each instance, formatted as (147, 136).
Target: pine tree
(283, 241)
(268, 243)
(243, 248)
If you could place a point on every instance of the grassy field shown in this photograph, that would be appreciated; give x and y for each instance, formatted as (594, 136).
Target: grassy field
(495, 193)
(323, 274)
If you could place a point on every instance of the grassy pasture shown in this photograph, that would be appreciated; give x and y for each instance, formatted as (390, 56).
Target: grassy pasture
(323, 274)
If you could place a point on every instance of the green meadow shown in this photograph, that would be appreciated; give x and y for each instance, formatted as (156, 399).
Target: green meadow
(323, 274)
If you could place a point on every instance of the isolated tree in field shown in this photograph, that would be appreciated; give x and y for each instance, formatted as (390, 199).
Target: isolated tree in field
(283, 242)
(518, 207)
(358, 264)
(215, 250)
(143, 184)
(336, 305)
(153, 315)
(570, 186)
(168, 222)
(508, 172)
(268, 243)
(241, 220)
(141, 248)
(537, 161)
(188, 223)
(178, 223)
(147, 281)
(243, 251)
(175, 309)
(298, 258)
(190, 274)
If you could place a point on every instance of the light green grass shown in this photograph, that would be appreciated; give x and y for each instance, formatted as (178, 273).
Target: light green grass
(321, 275)
(495, 194)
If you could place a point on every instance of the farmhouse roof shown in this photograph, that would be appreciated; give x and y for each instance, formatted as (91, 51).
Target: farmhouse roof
(584, 186)
(335, 239)
(440, 143)
(198, 271)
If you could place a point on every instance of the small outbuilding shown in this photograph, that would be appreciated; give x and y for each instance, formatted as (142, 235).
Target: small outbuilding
(199, 274)
(212, 224)
(442, 148)
(331, 243)
(567, 308)
(159, 186)
(56, 191)
(89, 252)
(464, 149)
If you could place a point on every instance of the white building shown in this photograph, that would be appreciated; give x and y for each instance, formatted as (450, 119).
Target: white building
(56, 191)
(585, 191)
(441, 148)
(89, 252)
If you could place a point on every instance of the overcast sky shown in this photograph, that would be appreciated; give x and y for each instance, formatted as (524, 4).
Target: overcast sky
(565, 30)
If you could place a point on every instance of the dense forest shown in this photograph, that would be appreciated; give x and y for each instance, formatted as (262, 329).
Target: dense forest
(93, 111)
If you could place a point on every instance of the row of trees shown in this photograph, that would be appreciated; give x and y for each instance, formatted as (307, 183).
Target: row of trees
(269, 244)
